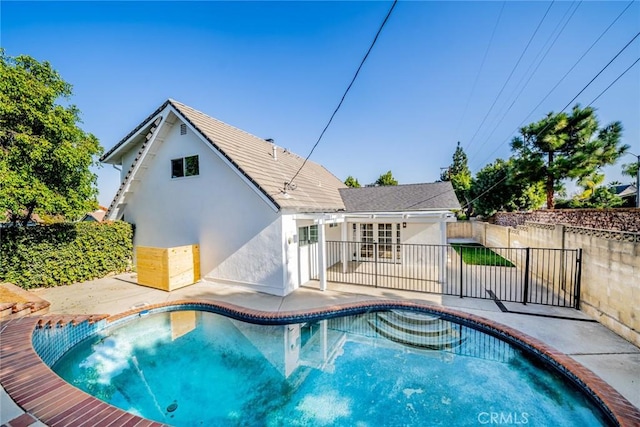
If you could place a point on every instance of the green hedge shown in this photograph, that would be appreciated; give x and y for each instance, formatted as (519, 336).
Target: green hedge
(62, 254)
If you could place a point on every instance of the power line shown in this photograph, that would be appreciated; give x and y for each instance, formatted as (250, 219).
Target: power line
(484, 58)
(562, 79)
(543, 129)
(485, 191)
(600, 72)
(511, 74)
(286, 184)
(613, 82)
(534, 71)
(466, 205)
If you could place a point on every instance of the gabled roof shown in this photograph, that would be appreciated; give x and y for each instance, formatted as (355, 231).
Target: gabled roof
(315, 189)
(401, 198)
(97, 215)
(625, 190)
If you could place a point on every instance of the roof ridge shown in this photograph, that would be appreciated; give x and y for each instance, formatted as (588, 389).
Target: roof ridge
(248, 154)
(288, 151)
(173, 102)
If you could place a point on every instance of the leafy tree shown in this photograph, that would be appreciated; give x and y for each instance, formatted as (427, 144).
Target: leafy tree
(386, 179)
(460, 176)
(595, 195)
(497, 187)
(589, 185)
(351, 182)
(631, 169)
(45, 157)
(566, 146)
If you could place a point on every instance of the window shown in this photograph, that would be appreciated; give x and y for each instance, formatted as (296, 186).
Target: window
(186, 166)
(307, 235)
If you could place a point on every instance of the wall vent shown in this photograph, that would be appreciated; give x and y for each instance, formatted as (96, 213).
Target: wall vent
(183, 129)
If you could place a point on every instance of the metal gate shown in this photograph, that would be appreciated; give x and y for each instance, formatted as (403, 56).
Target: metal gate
(522, 275)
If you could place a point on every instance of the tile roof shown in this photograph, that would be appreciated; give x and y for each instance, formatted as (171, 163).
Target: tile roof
(315, 188)
(401, 198)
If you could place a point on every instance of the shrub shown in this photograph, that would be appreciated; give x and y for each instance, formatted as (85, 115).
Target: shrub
(61, 254)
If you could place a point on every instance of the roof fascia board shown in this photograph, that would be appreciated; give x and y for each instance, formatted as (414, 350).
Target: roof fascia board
(413, 213)
(403, 214)
(227, 160)
(119, 147)
(135, 167)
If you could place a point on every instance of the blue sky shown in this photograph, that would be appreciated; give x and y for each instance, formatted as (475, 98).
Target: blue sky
(278, 70)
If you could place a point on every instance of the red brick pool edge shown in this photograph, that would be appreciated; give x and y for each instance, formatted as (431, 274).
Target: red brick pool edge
(43, 394)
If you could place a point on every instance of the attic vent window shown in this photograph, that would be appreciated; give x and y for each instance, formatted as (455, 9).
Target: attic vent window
(186, 166)
(183, 129)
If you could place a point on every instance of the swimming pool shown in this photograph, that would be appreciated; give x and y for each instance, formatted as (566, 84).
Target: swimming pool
(363, 366)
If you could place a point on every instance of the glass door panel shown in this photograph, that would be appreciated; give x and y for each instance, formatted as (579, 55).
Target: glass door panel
(366, 236)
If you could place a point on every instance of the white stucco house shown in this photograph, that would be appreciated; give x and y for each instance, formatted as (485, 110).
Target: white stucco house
(187, 178)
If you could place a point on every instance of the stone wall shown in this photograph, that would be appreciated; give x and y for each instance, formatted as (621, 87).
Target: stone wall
(610, 285)
(623, 219)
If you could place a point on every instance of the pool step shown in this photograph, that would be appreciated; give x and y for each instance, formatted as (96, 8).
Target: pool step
(58, 321)
(19, 303)
(417, 330)
(413, 317)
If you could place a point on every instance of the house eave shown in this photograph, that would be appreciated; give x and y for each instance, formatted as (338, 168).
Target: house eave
(109, 156)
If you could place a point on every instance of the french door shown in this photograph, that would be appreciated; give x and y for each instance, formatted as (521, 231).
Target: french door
(379, 242)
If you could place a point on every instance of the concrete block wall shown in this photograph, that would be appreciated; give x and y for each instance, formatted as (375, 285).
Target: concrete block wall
(610, 290)
(459, 230)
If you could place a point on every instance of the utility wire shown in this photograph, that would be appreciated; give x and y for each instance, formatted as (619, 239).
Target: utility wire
(287, 184)
(560, 81)
(594, 100)
(577, 62)
(534, 71)
(484, 58)
(613, 82)
(466, 205)
(565, 75)
(600, 72)
(510, 74)
(574, 98)
(470, 202)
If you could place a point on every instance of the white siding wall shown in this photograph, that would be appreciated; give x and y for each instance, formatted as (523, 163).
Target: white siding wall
(290, 253)
(240, 235)
(127, 160)
(422, 233)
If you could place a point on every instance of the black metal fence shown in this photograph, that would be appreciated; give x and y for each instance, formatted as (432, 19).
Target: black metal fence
(522, 275)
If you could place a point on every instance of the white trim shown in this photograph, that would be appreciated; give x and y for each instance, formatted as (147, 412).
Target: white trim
(129, 140)
(224, 158)
(322, 256)
(117, 203)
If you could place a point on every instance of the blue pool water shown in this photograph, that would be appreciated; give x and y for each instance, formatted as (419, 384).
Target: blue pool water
(393, 368)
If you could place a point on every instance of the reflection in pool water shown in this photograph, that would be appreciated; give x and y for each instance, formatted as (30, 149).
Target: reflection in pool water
(391, 368)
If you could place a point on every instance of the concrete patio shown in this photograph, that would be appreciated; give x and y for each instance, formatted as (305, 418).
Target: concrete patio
(612, 358)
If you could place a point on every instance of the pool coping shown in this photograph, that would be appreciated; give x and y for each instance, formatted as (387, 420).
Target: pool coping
(42, 393)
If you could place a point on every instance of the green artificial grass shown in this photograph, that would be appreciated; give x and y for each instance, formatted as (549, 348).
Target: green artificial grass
(476, 254)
